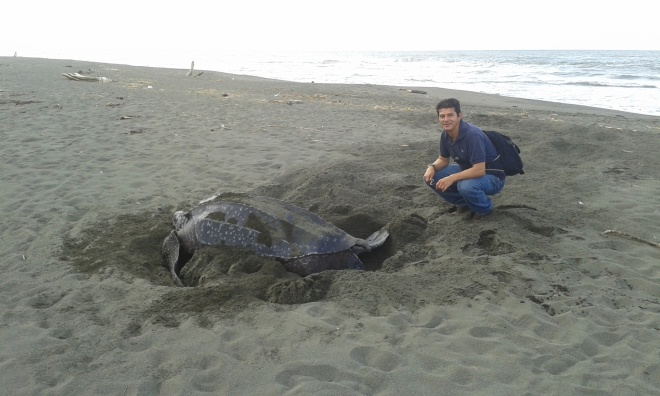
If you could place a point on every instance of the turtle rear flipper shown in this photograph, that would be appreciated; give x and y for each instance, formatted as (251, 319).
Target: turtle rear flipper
(378, 238)
(170, 253)
(373, 241)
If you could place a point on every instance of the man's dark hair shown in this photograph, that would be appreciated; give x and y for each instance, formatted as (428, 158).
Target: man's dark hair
(450, 103)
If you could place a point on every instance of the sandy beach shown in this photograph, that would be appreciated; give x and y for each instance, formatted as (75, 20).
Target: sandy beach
(535, 299)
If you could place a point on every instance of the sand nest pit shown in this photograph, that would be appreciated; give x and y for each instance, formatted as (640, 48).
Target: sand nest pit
(131, 243)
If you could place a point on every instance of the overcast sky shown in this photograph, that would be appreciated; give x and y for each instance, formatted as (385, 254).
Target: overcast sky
(74, 29)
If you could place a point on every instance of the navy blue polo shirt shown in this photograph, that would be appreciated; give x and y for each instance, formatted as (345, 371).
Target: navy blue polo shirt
(472, 146)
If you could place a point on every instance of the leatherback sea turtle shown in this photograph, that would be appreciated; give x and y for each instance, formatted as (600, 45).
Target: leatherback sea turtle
(301, 240)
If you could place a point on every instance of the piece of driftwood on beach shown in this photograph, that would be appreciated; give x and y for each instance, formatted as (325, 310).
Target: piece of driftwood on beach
(80, 77)
(631, 237)
(417, 91)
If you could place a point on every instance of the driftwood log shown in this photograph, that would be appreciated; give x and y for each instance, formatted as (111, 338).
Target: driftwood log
(631, 237)
(190, 72)
(80, 77)
(417, 91)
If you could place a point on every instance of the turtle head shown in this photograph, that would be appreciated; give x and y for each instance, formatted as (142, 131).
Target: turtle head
(179, 219)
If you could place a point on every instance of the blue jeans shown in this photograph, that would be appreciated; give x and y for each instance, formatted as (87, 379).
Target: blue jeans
(472, 193)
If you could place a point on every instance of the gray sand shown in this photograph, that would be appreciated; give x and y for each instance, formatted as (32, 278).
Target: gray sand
(530, 300)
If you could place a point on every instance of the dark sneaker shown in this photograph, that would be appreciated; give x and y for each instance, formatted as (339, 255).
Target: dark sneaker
(477, 216)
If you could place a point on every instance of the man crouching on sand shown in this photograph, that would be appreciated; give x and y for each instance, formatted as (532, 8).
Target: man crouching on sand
(466, 183)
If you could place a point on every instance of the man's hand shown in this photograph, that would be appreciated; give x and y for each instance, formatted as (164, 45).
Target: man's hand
(428, 175)
(477, 170)
(444, 183)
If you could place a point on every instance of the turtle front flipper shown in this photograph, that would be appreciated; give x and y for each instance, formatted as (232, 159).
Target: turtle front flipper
(170, 253)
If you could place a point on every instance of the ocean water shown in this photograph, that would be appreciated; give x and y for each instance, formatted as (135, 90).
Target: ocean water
(619, 80)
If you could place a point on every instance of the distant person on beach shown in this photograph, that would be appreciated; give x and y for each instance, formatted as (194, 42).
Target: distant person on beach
(465, 183)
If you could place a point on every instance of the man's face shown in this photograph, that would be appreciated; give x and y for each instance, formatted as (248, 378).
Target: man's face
(449, 120)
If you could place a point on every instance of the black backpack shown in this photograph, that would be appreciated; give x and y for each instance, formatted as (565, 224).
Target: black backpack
(509, 154)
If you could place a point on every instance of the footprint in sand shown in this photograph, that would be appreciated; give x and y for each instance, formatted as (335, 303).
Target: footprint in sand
(484, 332)
(375, 358)
(323, 378)
(489, 243)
